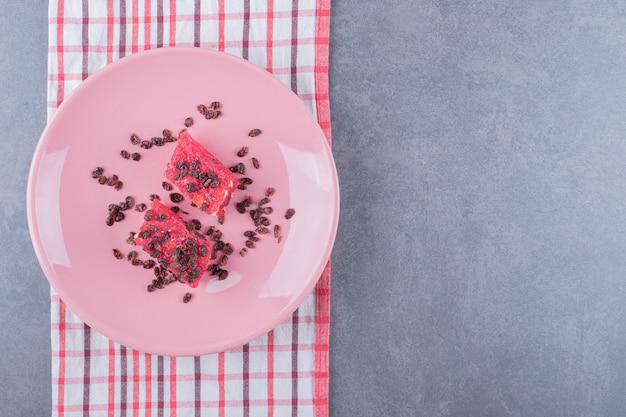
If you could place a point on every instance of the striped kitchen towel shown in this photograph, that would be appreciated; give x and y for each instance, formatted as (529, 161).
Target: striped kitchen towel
(282, 373)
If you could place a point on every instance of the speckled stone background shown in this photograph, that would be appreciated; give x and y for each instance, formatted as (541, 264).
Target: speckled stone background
(480, 264)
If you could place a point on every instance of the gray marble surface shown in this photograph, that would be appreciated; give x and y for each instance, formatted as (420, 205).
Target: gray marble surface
(480, 264)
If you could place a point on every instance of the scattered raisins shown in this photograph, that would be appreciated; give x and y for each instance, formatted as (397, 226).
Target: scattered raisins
(153, 197)
(117, 254)
(187, 297)
(118, 186)
(255, 163)
(140, 207)
(97, 172)
(270, 191)
(112, 180)
(254, 132)
(134, 139)
(289, 213)
(135, 156)
(146, 144)
(176, 197)
(196, 224)
(188, 122)
(124, 154)
(240, 208)
(167, 186)
(243, 252)
(131, 239)
(242, 152)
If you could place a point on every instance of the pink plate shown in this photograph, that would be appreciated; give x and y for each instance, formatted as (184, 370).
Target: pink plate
(146, 93)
